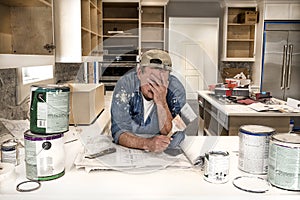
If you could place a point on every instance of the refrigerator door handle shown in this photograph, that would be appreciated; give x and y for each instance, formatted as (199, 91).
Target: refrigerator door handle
(284, 63)
(289, 67)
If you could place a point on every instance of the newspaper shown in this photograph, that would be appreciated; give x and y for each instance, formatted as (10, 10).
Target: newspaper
(124, 159)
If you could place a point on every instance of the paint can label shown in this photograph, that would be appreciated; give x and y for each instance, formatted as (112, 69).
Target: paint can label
(10, 152)
(44, 156)
(216, 166)
(49, 110)
(284, 161)
(254, 148)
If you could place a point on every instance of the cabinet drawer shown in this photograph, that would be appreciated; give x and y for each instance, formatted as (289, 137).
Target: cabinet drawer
(223, 119)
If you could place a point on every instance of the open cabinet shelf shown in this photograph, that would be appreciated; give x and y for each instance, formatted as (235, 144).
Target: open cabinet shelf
(152, 27)
(91, 27)
(239, 36)
(121, 36)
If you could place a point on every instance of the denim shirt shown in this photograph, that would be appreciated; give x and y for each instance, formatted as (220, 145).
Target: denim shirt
(127, 110)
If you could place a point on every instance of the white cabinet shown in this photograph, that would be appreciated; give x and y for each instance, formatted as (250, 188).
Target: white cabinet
(78, 30)
(283, 11)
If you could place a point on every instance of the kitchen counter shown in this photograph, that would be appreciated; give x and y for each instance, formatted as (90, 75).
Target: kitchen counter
(219, 118)
(170, 183)
(235, 109)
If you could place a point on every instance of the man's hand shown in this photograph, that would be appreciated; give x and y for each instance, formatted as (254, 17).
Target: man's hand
(159, 86)
(157, 143)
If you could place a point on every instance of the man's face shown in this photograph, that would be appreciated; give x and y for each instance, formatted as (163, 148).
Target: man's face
(152, 76)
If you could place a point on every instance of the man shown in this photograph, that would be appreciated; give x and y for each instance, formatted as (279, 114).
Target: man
(144, 103)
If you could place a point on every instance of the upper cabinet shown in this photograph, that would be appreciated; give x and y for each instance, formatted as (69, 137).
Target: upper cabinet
(239, 33)
(120, 31)
(152, 27)
(26, 33)
(78, 30)
(282, 11)
(91, 27)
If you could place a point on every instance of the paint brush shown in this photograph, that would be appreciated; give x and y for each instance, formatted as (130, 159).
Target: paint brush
(180, 122)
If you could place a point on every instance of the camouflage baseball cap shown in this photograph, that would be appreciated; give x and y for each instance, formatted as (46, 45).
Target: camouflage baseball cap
(156, 58)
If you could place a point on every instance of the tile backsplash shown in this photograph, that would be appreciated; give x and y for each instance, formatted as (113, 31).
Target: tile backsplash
(64, 72)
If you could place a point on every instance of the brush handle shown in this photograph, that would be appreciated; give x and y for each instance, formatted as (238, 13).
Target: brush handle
(170, 134)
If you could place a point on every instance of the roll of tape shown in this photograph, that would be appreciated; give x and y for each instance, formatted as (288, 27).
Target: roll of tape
(7, 174)
(7, 171)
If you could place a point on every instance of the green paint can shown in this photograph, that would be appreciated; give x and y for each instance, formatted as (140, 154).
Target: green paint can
(49, 109)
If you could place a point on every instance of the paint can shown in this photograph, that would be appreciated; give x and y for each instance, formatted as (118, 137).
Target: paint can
(216, 166)
(254, 148)
(44, 156)
(49, 109)
(10, 152)
(284, 161)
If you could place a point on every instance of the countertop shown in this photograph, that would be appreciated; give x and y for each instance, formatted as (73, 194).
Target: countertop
(159, 184)
(167, 183)
(239, 109)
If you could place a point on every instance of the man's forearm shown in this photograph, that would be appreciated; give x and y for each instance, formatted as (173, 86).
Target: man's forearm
(132, 141)
(164, 118)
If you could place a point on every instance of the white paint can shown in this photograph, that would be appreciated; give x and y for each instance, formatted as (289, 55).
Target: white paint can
(254, 148)
(44, 156)
(284, 161)
(216, 166)
(10, 152)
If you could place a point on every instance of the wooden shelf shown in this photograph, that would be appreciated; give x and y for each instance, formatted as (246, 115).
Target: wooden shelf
(240, 40)
(91, 26)
(121, 36)
(153, 41)
(153, 24)
(121, 19)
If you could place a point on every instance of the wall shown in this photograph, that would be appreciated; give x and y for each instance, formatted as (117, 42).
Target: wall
(8, 83)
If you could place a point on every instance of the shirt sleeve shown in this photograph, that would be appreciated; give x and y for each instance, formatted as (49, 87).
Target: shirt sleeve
(120, 117)
(176, 96)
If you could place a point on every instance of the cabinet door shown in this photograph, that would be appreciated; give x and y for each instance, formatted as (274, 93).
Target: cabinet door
(295, 11)
(26, 27)
(276, 11)
(193, 47)
(26, 33)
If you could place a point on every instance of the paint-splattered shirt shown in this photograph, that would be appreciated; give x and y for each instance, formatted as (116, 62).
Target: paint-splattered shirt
(127, 110)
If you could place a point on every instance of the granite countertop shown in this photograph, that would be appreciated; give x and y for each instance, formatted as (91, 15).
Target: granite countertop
(3, 129)
(4, 133)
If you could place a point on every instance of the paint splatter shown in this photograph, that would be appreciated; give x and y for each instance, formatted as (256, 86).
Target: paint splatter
(122, 98)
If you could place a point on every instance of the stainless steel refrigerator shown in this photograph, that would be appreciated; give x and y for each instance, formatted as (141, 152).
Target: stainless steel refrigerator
(281, 59)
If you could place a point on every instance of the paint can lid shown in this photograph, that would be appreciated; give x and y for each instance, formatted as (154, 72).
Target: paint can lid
(292, 138)
(50, 88)
(251, 184)
(256, 130)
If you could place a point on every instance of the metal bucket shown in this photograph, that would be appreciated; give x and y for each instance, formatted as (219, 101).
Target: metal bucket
(49, 109)
(254, 148)
(44, 156)
(216, 166)
(284, 161)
